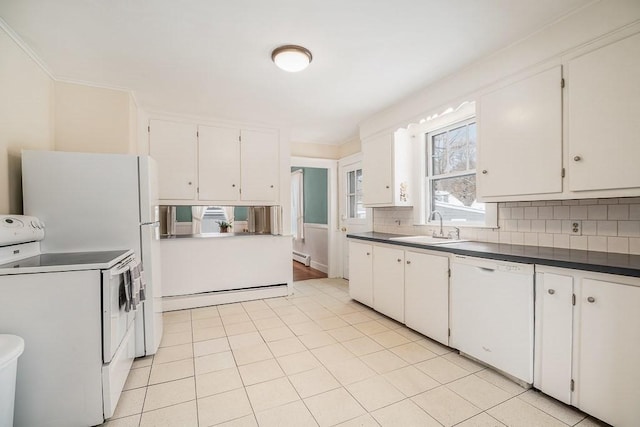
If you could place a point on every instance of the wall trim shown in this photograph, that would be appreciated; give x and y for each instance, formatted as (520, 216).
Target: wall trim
(321, 267)
(314, 225)
(25, 47)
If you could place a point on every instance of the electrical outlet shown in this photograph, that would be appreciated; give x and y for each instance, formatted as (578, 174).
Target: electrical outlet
(576, 228)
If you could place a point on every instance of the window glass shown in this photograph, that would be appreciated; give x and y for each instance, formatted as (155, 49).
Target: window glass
(355, 208)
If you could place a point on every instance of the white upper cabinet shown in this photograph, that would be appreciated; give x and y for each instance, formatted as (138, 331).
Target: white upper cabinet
(174, 146)
(386, 170)
(603, 89)
(520, 138)
(219, 163)
(260, 171)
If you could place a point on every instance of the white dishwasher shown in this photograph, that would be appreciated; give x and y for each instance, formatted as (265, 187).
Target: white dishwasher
(491, 313)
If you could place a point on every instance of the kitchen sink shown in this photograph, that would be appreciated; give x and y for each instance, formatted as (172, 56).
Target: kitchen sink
(426, 240)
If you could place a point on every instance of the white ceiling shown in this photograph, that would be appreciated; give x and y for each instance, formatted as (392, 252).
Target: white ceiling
(211, 58)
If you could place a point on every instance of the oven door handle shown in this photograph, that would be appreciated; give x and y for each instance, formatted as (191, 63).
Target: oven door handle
(118, 271)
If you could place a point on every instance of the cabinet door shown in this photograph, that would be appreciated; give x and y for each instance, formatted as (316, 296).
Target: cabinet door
(603, 88)
(361, 272)
(553, 335)
(173, 146)
(388, 282)
(218, 163)
(426, 298)
(608, 351)
(520, 137)
(377, 174)
(260, 166)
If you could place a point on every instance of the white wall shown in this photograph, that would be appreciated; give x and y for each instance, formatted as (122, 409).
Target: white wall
(316, 244)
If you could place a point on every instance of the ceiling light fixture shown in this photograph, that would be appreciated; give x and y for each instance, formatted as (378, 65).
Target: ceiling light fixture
(291, 58)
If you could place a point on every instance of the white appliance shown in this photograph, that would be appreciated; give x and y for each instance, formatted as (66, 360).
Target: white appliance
(491, 313)
(97, 202)
(79, 337)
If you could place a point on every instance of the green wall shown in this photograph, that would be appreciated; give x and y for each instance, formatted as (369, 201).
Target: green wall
(315, 195)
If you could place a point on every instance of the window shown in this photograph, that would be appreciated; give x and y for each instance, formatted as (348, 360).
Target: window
(451, 174)
(355, 208)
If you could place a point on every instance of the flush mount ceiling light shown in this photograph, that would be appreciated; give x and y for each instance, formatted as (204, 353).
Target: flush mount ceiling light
(291, 58)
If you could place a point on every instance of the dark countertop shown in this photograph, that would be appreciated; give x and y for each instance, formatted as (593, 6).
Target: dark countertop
(601, 262)
(209, 235)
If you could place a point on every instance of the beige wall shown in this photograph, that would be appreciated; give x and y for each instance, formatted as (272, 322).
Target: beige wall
(350, 147)
(96, 120)
(318, 151)
(26, 117)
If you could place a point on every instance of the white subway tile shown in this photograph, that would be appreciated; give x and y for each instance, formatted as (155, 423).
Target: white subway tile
(545, 239)
(538, 225)
(511, 225)
(539, 203)
(585, 202)
(589, 228)
(567, 226)
(517, 213)
(579, 242)
(618, 212)
(618, 244)
(531, 239)
(570, 202)
(561, 241)
(554, 203)
(579, 212)
(524, 204)
(629, 228)
(545, 212)
(502, 204)
(607, 201)
(493, 236)
(483, 235)
(630, 200)
(517, 238)
(607, 228)
(554, 226)
(505, 237)
(524, 225)
(531, 213)
(504, 213)
(511, 204)
(634, 245)
(561, 212)
(597, 243)
(597, 212)
(634, 212)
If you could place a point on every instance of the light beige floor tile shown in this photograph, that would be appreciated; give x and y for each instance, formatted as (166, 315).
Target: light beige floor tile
(445, 406)
(234, 318)
(361, 421)
(295, 318)
(171, 371)
(258, 372)
(239, 328)
(374, 393)
(350, 371)
(413, 353)
(176, 316)
(389, 339)
(269, 323)
(551, 406)
(481, 420)
(208, 322)
(315, 381)
(362, 346)
(305, 328)
(184, 414)
(316, 339)
(383, 361)
(464, 362)
(286, 346)
(256, 353)
(230, 309)
(176, 339)
(332, 353)
(172, 328)
(346, 333)
(171, 393)
(256, 305)
(245, 340)
(246, 421)
(411, 381)
(331, 322)
(130, 421)
(171, 354)
(409, 334)
(208, 333)
(271, 394)
(435, 347)
(142, 362)
(298, 362)
(130, 403)
(223, 407)
(404, 413)
(275, 334)
(354, 318)
(262, 314)
(292, 414)
(216, 345)
(371, 327)
(390, 323)
(442, 370)
(481, 393)
(214, 362)
(333, 407)
(204, 313)
(287, 310)
(138, 378)
(277, 302)
(501, 382)
(319, 314)
(517, 413)
(592, 422)
(217, 382)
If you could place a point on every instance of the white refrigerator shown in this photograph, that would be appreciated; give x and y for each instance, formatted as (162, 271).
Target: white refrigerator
(98, 202)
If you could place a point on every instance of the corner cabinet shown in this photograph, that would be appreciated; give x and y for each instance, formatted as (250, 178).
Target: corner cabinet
(215, 164)
(386, 170)
(587, 353)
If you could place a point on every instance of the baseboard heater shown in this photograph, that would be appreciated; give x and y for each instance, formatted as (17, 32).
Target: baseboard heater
(302, 258)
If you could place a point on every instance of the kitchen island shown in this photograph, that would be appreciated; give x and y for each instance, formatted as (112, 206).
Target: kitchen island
(219, 268)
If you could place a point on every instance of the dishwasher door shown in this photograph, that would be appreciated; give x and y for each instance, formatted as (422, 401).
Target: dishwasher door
(491, 313)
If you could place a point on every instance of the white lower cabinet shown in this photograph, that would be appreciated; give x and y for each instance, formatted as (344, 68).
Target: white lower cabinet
(361, 272)
(591, 348)
(426, 294)
(388, 282)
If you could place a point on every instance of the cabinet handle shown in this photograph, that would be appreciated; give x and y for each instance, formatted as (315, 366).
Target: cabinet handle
(577, 158)
(551, 291)
(189, 182)
(233, 185)
(368, 254)
(484, 172)
(408, 262)
(271, 186)
(591, 299)
(386, 186)
(399, 260)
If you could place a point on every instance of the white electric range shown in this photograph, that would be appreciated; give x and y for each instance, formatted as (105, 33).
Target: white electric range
(76, 319)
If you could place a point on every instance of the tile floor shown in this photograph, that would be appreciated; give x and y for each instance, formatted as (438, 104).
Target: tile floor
(318, 358)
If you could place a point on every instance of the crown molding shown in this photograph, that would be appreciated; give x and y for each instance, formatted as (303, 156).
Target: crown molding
(25, 47)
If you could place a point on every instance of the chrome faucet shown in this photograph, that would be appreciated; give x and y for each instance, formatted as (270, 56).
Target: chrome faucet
(433, 214)
(455, 233)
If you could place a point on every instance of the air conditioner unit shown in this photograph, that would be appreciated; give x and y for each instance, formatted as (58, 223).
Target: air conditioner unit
(302, 258)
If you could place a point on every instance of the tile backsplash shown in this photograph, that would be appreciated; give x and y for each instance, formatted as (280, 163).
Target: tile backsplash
(605, 225)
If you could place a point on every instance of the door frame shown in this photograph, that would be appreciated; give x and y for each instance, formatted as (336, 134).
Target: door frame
(334, 255)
